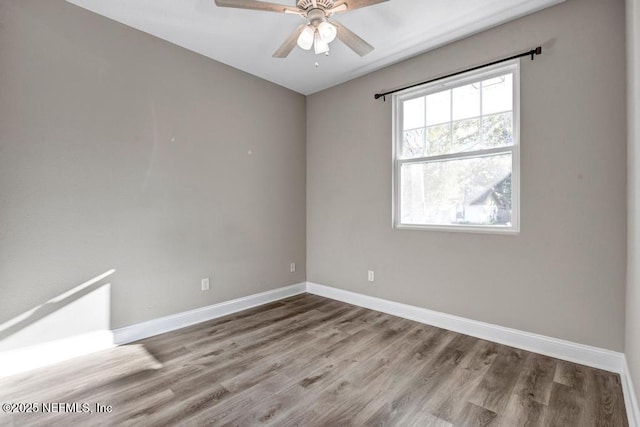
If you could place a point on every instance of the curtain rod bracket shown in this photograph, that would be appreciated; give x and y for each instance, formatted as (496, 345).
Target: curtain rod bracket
(536, 51)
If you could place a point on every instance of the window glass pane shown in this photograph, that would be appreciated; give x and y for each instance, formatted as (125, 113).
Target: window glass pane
(413, 113)
(497, 130)
(497, 94)
(413, 144)
(438, 140)
(475, 191)
(449, 123)
(439, 108)
(466, 101)
(466, 135)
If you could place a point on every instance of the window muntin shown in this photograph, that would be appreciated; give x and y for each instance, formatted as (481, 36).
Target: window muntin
(456, 154)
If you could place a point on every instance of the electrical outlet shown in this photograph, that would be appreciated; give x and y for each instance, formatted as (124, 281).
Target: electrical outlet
(292, 267)
(371, 276)
(205, 284)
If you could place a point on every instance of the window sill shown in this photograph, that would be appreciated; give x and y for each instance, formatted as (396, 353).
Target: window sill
(460, 229)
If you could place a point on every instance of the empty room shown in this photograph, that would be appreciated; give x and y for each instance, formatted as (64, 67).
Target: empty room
(320, 212)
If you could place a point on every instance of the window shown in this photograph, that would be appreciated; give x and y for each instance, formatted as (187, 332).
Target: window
(456, 153)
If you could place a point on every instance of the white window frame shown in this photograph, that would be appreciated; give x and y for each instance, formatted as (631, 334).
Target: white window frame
(513, 67)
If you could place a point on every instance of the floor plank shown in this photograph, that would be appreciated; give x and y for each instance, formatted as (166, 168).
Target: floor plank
(312, 361)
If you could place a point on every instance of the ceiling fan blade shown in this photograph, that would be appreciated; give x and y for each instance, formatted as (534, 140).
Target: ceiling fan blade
(300, 13)
(337, 9)
(256, 5)
(288, 45)
(352, 40)
(353, 4)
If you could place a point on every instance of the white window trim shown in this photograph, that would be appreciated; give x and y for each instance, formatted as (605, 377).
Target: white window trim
(449, 83)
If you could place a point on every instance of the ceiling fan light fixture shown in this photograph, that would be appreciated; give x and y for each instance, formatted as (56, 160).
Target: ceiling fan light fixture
(320, 45)
(306, 38)
(317, 31)
(327, 31)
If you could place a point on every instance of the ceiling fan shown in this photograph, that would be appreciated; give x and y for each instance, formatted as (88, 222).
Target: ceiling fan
(318, 32)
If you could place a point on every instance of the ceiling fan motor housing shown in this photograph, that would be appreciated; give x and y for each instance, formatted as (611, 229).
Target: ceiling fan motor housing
(316, 16)
(308, 4)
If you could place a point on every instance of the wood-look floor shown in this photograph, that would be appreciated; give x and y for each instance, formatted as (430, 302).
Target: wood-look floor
(310, 361)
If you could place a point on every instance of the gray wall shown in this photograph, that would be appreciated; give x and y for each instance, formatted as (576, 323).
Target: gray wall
(121, 151)
(564, 274)
(632, 337)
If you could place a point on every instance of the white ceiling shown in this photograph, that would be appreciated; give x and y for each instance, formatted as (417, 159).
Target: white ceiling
(246, 39)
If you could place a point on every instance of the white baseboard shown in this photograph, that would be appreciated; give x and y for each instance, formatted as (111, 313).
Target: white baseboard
(630, 399)
(27, 358)
(595, 357)
(161, 325)
(36, 356)
(31, 357)
(566, 350)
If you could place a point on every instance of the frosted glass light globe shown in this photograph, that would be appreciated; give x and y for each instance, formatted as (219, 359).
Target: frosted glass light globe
(320, 46)
(327, 32)
(306, 37)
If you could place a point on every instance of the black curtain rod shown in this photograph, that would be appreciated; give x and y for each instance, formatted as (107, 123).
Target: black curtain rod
(532, 53)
